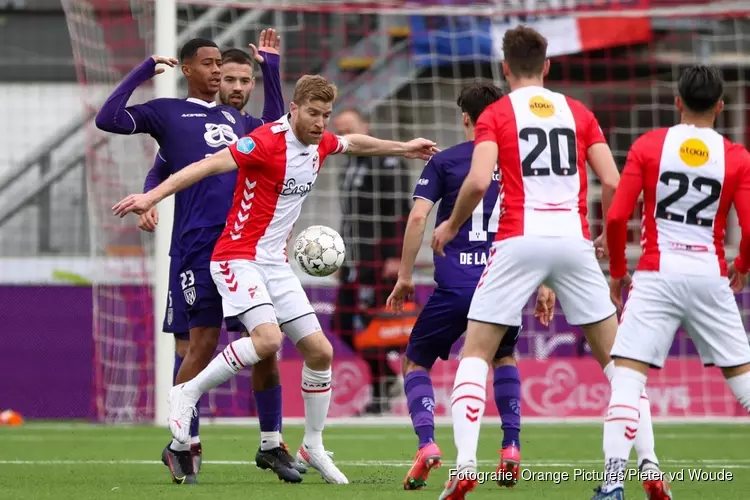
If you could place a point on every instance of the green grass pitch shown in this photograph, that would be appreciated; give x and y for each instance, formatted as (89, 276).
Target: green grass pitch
(82, 462)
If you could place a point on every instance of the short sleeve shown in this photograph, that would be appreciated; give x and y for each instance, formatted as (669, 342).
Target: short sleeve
(332, 144)
(249, 152)
(430, 183)
(587, 126)
(486, 127)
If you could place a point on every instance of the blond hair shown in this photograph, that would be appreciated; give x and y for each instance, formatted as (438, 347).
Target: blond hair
(313, 88)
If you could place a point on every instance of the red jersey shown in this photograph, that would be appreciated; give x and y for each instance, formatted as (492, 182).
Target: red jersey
(690, 177)
(276, 173)
(543, 138)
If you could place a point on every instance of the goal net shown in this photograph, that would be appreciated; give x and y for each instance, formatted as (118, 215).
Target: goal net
(402, 65)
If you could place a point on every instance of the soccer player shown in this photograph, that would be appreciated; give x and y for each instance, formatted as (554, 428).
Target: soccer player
(278, 165)
(187, 131)
(543, 141)
(443, 319)
(237, 84)
(690, 177)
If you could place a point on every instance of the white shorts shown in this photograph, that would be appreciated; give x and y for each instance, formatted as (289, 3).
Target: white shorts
(518, 266)
(656, 307)
(266, 293)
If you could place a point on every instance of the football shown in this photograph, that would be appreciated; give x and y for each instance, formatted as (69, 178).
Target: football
(319, 250)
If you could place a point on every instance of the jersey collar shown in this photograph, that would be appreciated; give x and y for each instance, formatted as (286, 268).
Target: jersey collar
(205, 104)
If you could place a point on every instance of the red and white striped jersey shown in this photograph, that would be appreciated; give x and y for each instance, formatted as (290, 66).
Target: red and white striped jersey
(276, 173)
(690, 177)
(543, 138)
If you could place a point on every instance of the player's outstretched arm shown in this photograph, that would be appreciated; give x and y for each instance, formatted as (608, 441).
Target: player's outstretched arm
(266, 54)
(114, 116)
(365, 145)
(413, 236)
(215, 164)
(158, 174)
(472, 191)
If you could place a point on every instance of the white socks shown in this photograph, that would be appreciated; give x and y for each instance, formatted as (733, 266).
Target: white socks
(316, 393)
(233, 358)
(270, 440)
(621, 424)
(467, 409)
(740, 386)
(645, 445)
(177, 446)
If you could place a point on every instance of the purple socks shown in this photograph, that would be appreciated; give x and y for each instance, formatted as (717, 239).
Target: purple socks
(420, 398)
(268, 405)
(508, 400)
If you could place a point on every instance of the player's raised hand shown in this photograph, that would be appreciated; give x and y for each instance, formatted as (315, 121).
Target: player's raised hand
(545, 305)
(133, 203)
(404, 290)
(616, 288)
(169, 61)
(600, 247)
(441, 236)
(268, 42)
(148, 220)
(737, 280)
(420, 148)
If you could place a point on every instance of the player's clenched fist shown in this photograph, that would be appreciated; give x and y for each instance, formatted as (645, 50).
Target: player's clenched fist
(135, 203)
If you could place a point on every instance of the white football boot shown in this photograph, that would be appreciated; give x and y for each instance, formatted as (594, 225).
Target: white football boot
(320, 460)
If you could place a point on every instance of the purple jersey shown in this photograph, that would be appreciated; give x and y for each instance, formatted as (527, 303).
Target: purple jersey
(465, 256)
(158, 174)
(187, 131)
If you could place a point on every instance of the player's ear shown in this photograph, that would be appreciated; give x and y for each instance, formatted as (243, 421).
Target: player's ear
(678, 103)
(506, 69)
(465, 119)
(545, 71)
(719, 107)
(185, 70)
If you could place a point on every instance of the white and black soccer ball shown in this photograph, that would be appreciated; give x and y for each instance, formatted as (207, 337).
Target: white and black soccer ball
(319, 250)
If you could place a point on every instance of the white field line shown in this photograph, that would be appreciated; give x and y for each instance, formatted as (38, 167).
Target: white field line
(706, 464)
(32, 437)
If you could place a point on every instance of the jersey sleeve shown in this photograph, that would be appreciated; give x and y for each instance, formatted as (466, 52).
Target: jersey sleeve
(332, 144)
(430, 184)
(623, 204)
(486, 127)
(742, 206)
(250, 152)
(588, 130)
(158, 173)
(118, 118)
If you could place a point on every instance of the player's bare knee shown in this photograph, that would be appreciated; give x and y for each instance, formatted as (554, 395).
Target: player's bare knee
(181, 347)
(266, 374)
(408, 366)
(267, 339)
(504, 361)
(601, 338)
(203, 343)
(735, 371)
(317, 351)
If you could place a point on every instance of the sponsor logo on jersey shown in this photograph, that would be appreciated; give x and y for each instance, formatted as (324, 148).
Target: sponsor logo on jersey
(194, 115)
(694, 153)
(423, 182)
(291, 188)
(246, 145)
(541, 107)
(228, 116)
